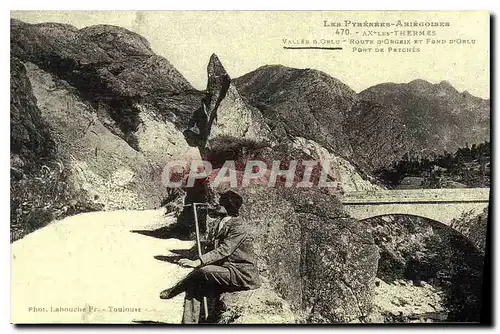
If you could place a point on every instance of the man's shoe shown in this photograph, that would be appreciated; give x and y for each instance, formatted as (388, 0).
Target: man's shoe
(166, 294)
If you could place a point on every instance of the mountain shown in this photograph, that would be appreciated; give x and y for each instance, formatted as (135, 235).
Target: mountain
(302, 103)
(428, 118)
(373, 128)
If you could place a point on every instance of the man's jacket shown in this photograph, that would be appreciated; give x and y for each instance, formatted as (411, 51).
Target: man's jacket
(234, 250)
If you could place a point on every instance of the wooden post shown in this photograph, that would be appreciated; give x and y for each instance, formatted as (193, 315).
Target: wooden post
(198, 243)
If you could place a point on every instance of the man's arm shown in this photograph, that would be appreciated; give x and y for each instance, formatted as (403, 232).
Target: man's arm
(235, 236)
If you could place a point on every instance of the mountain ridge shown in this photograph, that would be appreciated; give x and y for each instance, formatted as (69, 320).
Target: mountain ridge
(372, 128)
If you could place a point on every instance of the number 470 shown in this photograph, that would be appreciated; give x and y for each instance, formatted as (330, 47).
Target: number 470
(342, 32)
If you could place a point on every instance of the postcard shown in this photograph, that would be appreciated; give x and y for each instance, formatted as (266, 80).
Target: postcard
(249, 167)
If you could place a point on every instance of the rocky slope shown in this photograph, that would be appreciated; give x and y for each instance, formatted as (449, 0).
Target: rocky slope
(377, 135)
(305, 103)
(110, 111)
(419, 253)
(40, 189)
(476, 227)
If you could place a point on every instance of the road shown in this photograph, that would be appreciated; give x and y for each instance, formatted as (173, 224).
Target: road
(93, 259)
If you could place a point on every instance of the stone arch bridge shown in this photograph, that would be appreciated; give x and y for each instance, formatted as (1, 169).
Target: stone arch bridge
(446, 206)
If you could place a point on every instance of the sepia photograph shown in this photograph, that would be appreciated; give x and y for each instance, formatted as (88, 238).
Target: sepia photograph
(250, 167)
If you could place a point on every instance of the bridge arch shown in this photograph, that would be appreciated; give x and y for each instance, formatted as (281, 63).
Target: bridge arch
(450, 207)
(433, 222)
(445, 213)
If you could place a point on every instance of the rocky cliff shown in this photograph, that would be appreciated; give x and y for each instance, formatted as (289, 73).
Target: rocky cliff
(107, 112)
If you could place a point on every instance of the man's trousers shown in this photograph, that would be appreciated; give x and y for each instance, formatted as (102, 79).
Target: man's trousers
(208, 281)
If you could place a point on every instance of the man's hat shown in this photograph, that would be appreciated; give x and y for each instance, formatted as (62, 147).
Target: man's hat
(232, 201)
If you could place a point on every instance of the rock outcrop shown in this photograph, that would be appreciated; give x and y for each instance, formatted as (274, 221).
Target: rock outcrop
(236, 121)
(307, 246)
(319, 260)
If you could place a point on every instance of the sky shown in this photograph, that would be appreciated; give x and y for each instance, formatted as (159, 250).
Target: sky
(246, 40)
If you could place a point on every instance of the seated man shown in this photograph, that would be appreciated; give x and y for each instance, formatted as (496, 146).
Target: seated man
(230, 266)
